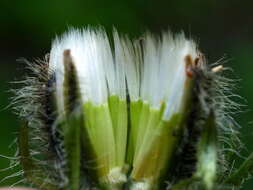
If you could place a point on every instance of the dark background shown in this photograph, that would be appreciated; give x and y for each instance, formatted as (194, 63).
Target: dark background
(222, 29)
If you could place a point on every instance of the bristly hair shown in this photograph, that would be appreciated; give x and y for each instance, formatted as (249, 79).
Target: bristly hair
(34, 104)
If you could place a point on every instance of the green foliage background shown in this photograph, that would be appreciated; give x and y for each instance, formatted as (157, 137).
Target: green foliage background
(222, 28)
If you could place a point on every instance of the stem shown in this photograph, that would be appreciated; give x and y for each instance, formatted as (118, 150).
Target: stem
(27, 163)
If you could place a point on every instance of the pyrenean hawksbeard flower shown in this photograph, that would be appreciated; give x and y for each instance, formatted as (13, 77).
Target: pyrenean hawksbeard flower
(113, 113)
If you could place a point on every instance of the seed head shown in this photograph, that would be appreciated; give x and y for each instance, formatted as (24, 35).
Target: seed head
(115, 113)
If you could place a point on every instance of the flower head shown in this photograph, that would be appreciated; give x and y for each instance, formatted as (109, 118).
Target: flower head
(119, 113)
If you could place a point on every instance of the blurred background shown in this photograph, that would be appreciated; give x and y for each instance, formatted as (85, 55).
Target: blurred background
(222, 29)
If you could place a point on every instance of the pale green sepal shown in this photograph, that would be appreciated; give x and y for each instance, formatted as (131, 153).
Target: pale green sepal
(155, 155)
(207, 153)
(99, 127)
(135, 112)
(118, 110)
(141, 129)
